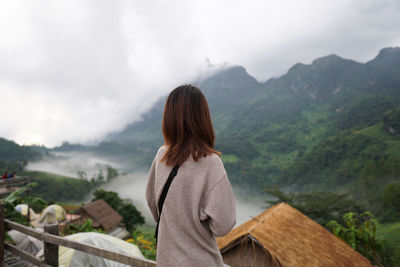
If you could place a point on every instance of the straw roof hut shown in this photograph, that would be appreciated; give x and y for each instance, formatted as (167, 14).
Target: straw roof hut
(283, 236)
(102, 215)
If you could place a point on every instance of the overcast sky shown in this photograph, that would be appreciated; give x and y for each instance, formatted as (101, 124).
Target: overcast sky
(77, 69)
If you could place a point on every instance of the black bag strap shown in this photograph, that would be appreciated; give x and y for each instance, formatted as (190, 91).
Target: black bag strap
(171, 176)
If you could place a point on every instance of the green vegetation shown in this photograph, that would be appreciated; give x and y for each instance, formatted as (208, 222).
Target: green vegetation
(145, 240)
(12, 200)
(58, 188)
(359, 231)
(12, 152)
(131, 216)
(390, 232)
(322, 207)
(229, 158)
(35, 203)
(390, 200)
(86, 227)
(391, 120)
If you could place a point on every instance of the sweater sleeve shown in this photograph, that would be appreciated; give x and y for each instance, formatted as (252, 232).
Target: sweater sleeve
(220, 208)
(150, 192)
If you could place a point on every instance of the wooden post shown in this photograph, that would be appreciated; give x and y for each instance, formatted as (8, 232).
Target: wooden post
(28, 219)
(2, 233)
(50, 250)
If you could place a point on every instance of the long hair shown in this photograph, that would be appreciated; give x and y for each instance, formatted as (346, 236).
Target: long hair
(187, 126)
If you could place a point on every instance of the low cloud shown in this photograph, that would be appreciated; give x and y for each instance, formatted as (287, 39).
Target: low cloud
(77, 70)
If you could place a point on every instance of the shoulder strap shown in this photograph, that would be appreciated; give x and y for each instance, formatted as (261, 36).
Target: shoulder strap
(171, 176)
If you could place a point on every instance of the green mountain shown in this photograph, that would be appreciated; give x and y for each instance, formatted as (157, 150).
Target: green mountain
(330, 125)
(14, 157)
(266, 127)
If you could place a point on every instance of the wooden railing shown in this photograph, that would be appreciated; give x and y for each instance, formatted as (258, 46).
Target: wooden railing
(9, 185)
(52, 241)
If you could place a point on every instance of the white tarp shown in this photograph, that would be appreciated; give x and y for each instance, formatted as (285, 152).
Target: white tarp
(68, 257)
(26, 242)
(23, 209)
(53, 214)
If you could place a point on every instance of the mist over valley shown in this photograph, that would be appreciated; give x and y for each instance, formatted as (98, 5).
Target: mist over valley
(130, 184)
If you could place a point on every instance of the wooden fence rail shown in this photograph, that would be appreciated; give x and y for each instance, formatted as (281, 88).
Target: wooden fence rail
(52, 242)
(9, 185)
(15, 181)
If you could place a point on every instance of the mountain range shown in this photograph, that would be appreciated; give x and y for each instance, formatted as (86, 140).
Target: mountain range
(268, 132)
(330, 125)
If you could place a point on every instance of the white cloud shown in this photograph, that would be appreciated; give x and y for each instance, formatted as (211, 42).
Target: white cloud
(76, 70)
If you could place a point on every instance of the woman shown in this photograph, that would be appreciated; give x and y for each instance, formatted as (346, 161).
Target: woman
(200, 203)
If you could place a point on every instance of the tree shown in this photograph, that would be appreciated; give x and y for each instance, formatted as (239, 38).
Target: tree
(100, 176)
(111, 173)
(391, 120)
(132, 217)
(110, 197)
(319, 206)
(391, 201)
(82, 175)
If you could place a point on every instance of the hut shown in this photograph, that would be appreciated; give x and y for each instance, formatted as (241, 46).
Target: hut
(103, 216)
(283, 236)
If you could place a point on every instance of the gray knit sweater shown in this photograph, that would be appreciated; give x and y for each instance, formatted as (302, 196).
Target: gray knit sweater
(199, 206)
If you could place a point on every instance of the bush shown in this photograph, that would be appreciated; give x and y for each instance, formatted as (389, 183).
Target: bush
(35, 203)
(145, 240)
(132, 217)
(86, 227)
(391, 201)
(359, 231)
(391, 120)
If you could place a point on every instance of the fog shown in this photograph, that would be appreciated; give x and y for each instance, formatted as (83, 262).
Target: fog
(130, 185)
(70, 163)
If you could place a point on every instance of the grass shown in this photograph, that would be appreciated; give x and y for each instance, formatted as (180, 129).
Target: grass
(58, 188)
(43, 175)
(229, 158)
(390, 232)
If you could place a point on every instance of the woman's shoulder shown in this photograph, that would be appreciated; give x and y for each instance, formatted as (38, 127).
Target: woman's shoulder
(160, 152)
(213, 158)
(162, 149)
(213, 163)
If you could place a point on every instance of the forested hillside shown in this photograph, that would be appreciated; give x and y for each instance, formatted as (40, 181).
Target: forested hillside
(316, 126)
(14, 157)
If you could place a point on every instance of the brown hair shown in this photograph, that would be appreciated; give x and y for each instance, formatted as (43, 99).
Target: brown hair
(187, 126)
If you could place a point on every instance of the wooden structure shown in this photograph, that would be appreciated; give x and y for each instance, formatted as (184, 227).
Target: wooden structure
(12, 184)
(283, 236)
(102, 215)
(52, 242)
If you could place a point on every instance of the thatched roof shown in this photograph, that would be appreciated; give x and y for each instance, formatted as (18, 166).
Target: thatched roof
(103, 214)
(294, 239)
